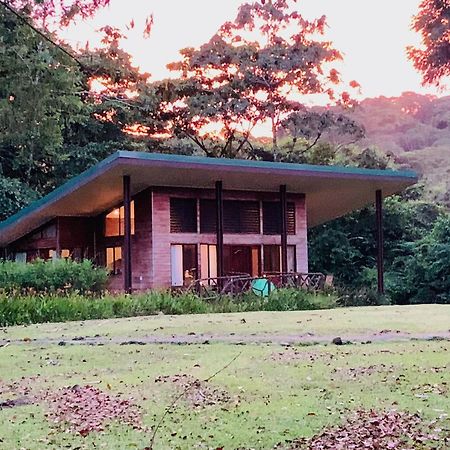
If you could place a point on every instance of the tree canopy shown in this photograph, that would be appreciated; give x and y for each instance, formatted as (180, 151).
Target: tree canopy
(255, 70)
(432, 59)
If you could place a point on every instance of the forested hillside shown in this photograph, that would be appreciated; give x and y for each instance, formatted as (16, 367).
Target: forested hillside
(415, 130)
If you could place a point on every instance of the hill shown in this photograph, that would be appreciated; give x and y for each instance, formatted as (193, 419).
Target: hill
(415, 130)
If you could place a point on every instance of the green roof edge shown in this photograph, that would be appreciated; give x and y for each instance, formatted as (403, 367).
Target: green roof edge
(266, 164)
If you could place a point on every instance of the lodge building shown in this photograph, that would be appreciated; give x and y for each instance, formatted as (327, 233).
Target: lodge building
(160, 221)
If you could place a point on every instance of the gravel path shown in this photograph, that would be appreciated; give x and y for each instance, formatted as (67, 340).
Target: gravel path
(234, 338)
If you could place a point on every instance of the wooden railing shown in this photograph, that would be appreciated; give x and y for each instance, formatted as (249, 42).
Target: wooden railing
(239, 283)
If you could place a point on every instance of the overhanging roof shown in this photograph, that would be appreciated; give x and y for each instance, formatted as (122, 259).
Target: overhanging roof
(331, 191)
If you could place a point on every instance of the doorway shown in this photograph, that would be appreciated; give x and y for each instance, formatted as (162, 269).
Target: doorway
(241, 259)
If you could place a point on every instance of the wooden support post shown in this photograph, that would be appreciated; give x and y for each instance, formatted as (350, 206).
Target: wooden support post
(219, 229)
(380, 240)
(283, 209)
(127, 274)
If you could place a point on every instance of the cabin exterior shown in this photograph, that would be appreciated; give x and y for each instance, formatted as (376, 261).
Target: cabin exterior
(160, 221)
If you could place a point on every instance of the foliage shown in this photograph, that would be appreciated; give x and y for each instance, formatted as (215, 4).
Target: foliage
(361, 296)
(55, 277)
(19, 309)
(247, 74)
(413, 130)
(14, 195)
(52, 124)
(424, 276)
(38, 103)
(432, 59)
(57, 12)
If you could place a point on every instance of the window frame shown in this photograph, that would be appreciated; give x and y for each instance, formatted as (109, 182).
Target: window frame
(121, 220)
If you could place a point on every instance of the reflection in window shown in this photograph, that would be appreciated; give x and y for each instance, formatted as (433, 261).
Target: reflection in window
(114, 260)
(272, 258)
(115, 221)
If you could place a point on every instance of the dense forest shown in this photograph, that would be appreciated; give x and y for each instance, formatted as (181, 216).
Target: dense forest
(414, 131)
(54, 124)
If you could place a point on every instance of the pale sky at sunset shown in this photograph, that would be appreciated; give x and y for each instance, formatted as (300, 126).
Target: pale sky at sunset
(372, 35)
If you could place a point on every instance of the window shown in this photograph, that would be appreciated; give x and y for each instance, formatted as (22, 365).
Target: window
(272, 218)
(183, 215)
(207, 216)
(47, 232)
(183, 264)
(115, 221)
(21, 257)
(272, 258)
(208, 261)
(114, 260)
(239, 217)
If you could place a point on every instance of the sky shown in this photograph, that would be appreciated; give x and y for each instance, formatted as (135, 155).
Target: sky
(372, 35)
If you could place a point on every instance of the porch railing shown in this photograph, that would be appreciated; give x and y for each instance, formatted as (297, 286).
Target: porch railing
(235, 284)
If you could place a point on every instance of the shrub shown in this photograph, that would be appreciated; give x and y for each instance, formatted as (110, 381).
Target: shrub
(53, 307)
(59, 276)
(364, 296)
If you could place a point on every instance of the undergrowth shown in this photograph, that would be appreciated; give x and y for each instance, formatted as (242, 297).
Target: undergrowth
(38, 308)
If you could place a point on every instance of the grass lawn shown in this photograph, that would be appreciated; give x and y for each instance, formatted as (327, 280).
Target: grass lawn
(269, 394)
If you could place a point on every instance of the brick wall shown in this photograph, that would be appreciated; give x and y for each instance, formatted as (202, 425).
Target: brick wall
(162, 238)
(141, 242)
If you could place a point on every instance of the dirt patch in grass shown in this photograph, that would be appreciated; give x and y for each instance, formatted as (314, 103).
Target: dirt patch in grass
(352, 373)
(292, 355)
(424, 390)
(20, 392)
(373, 430)
(84, 409)
(197, 393)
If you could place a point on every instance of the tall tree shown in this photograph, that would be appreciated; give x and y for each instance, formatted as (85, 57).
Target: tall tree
(52, 124)
(432, 59)
(38, 101)
(254, 70)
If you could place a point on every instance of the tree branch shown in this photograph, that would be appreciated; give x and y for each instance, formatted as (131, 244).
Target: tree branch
(182, 394)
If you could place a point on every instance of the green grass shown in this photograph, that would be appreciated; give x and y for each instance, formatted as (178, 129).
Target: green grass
(279, 399)
(413, 319)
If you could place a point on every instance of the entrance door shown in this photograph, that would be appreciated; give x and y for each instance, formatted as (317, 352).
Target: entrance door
(241, 259)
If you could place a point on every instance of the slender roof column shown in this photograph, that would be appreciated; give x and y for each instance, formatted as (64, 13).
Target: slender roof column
(219, 228)
(127, 273)
(380, 240)
(283, 209)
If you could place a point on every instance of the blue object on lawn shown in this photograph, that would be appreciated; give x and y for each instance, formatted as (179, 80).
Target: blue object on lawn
(262, 287)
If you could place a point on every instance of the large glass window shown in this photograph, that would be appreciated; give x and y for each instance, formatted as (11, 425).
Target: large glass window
(183, 264)
(114, 260)
(272, 218)
(47, 232)
(115, 221)
(208, 261)
(183, 215)
(272, 258)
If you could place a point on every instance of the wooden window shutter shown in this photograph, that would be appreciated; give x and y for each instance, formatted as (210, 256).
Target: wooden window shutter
(207, 216)
(183, 215)
(272, 218)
